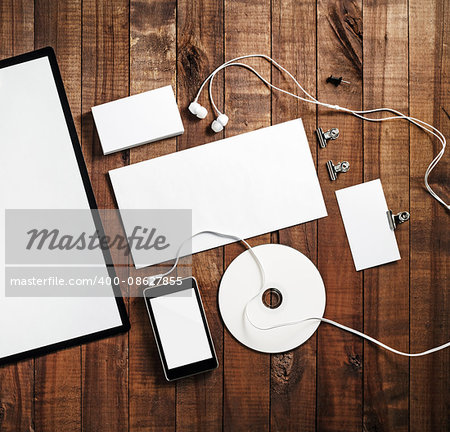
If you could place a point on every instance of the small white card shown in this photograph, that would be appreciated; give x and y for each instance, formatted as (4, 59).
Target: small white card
(364, 212)
(137, 119)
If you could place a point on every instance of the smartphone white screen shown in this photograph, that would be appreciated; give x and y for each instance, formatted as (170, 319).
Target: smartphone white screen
(181, 328)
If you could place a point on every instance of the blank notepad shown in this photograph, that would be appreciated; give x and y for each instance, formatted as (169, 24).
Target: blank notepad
(364, 213)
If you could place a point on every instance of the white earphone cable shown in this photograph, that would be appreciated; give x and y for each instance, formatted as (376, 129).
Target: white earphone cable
(263, 56)
(357, 113)
(218, 234)
(358, 333)
(290, 323)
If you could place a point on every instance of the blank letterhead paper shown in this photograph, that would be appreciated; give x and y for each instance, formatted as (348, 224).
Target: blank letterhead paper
(246, 185)
(364, 212)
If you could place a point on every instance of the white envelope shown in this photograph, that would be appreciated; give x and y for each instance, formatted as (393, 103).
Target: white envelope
(364, 213)
(246, 185)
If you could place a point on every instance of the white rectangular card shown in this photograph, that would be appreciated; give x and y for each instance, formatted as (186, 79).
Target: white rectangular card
(137, 119)
(246, 185)
(364, 212)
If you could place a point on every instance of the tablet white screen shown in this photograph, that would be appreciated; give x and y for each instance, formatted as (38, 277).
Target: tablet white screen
(39, 170)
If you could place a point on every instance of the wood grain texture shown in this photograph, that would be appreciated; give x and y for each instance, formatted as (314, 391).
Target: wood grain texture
(16, 27)
(386, 156)
(16, 380)
(152, 65)
(429, 293)
(293, 374)
(58, 376)
(340, 356)
(105, 77)
(199, 50)
(58, 24)
(248, 104)
(16, 397)
(108, 49)
(58, 391)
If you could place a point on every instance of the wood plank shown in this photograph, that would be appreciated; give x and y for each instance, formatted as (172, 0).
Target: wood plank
(339, 368)
(58, 391)
(59, 25)
(293, 374)
(430, 251)
(16, 380)
(16, 27)
(200, 49)
(386, 156)
(105, 77)
(16, 396)
(58, 376)
(152, 65)
(248, 104)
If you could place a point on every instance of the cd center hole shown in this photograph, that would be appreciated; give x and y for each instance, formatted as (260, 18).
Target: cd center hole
(272, 298)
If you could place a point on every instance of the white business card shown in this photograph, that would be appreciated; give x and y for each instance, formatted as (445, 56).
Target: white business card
(138, 119)
(364, 213)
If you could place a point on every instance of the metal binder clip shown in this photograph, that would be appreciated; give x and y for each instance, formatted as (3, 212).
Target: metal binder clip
(397, 219)
(333, 170)
(324, 137)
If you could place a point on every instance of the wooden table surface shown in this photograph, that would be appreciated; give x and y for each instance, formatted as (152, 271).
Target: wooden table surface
(394, 53)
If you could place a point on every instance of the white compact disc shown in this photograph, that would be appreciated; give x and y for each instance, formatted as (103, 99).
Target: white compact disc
(295, 283)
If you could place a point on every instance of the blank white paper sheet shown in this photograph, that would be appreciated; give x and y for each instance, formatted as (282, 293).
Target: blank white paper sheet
(364, 213)
(246, 185)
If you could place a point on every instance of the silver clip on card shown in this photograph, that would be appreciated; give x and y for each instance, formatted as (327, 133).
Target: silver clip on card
(396, 219)
(363, 209)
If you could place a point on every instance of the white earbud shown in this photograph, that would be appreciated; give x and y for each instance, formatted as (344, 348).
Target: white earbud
(198, 110)
(219, 123)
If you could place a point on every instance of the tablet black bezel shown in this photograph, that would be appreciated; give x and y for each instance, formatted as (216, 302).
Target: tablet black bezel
(125, 326)
(192, 368)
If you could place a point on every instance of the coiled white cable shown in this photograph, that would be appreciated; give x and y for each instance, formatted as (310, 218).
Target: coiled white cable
(357, 113)
(290, 323)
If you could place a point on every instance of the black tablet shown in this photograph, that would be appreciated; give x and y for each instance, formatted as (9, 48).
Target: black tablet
(180, 328)
(42, 170)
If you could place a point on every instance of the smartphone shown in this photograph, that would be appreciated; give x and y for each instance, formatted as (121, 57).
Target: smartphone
(180, 328)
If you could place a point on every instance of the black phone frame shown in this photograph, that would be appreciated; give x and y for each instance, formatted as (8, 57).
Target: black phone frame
(192, 368)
